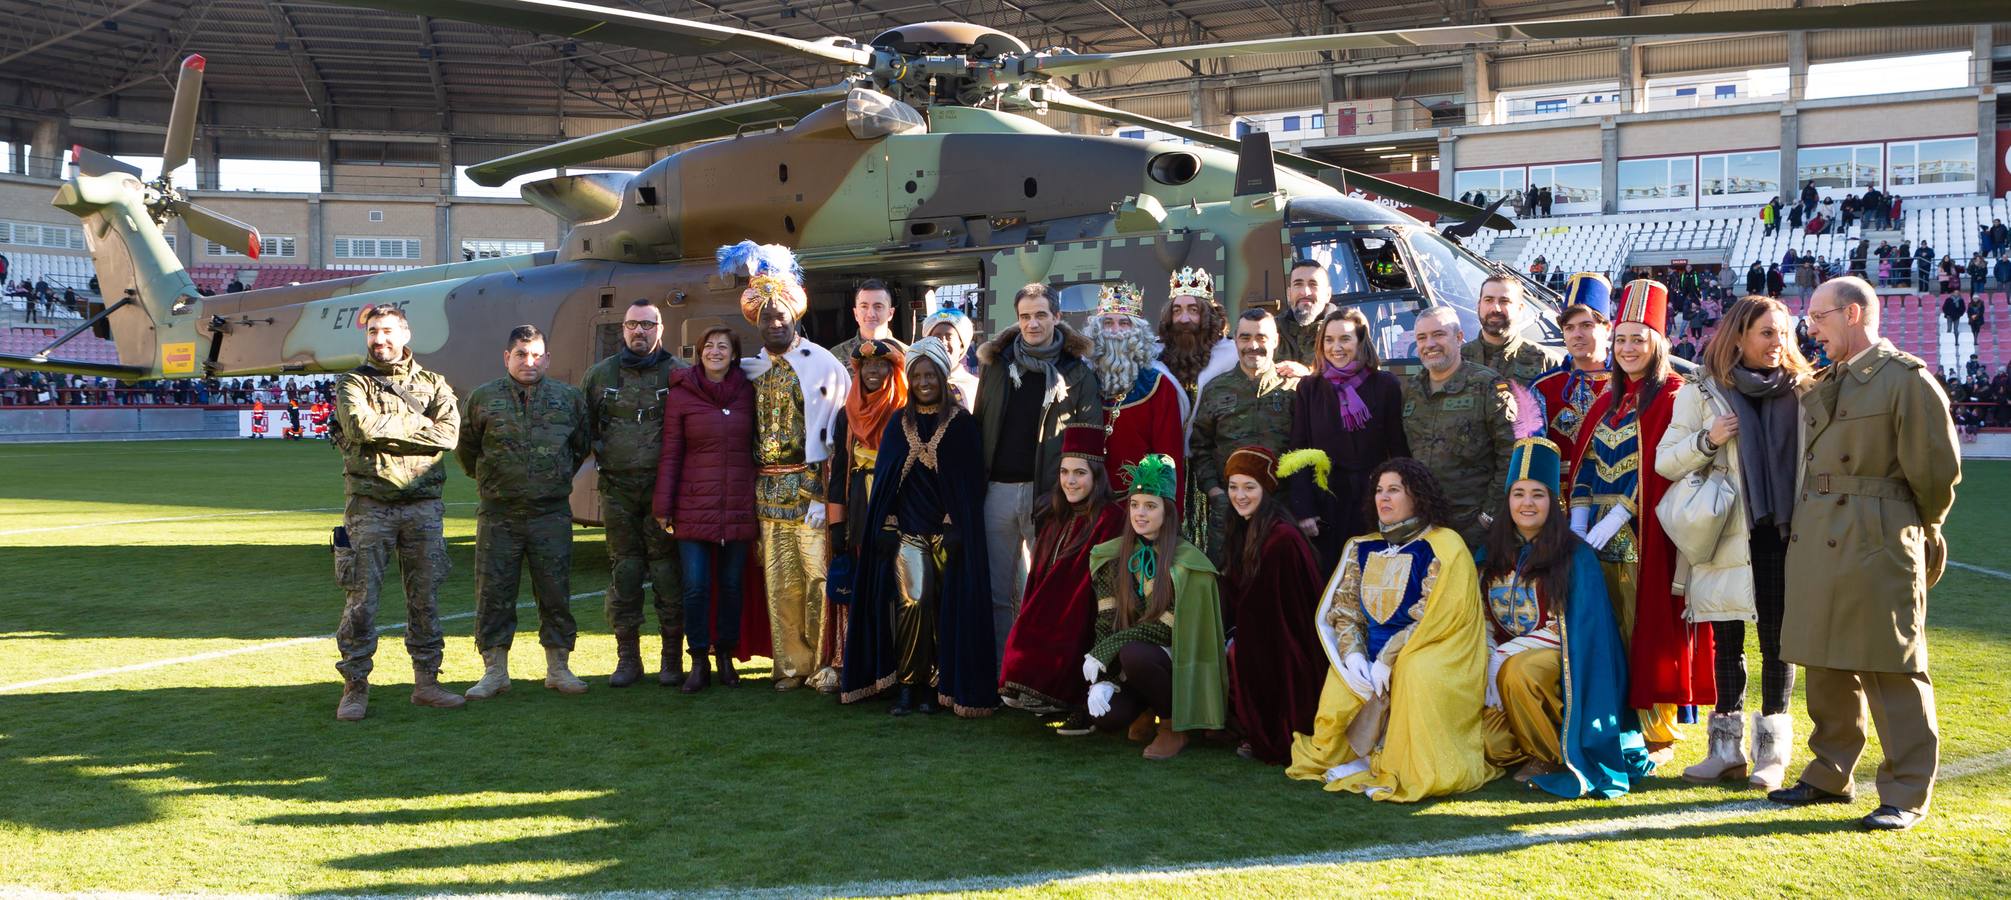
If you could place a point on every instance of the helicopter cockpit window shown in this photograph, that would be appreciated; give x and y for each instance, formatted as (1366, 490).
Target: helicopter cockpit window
(1079, 300)
(871, 114)
(1455, 278)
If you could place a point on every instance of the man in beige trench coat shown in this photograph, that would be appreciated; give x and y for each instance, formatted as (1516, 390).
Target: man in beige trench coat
(1880, 469)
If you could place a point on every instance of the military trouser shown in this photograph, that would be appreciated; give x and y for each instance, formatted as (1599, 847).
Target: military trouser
(376, 529)
(793, 562)
(918, 570)
(504, 542)
(637, 545)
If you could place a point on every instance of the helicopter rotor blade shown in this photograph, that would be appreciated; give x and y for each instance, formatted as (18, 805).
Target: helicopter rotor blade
(1861, 15)
(1339, 176)
(215, 226)
(91, 162)
(621, 27)
(704, 124)
(182, 117)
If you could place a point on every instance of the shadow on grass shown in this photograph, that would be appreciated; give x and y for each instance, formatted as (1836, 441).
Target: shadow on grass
(644, 788)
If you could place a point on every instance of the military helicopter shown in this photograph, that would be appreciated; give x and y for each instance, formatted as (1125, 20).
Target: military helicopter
(917, 165)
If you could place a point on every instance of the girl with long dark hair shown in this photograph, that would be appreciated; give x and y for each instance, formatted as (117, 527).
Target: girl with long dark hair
(1041, 672)
(1400, 712)
(1556, 671)
(1271, 582)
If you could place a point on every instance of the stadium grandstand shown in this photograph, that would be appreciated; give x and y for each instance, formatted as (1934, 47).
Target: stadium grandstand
(345, 134)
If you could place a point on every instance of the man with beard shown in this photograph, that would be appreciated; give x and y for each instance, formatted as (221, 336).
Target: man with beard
(625, 394)
(1500, 346)
(1192, 329)
(393, 423)
(1568, 391)
(1142, 412)
(1459, 418)
(798, 390)
(1308, 299)
(1249, 406)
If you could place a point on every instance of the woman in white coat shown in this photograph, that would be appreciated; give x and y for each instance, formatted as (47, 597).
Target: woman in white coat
(1744, 417)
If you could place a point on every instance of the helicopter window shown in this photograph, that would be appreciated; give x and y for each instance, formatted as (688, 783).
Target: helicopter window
(1341, 253)
(1455, 276)
(1390, 327)
(1079, 299)
(1031, 188)
(1173, 168)
(783, 172)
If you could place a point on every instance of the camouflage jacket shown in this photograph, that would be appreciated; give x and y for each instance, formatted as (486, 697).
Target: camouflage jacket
(523, 444)
(1236, 411)
(1463, 431)
(389, 451)
(625, 412)
(1521, 359)
(1300, 343)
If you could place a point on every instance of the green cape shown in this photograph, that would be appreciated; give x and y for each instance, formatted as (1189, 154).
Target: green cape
(1200, 674)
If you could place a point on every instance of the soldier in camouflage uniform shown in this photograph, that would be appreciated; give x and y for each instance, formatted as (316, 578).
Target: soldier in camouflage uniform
(1459, 418)
(523, 438)
(393, 422)
(1251, 405)
(625, 395)
(1308, 302)
(1500, 346)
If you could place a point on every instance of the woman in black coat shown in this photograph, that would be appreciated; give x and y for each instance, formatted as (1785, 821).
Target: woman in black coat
(1356, 438)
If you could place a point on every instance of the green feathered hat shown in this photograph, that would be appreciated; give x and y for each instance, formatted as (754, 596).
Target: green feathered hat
(1155, 475)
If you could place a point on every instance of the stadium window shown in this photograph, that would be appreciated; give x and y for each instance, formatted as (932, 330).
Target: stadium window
(1890, 75)
(1490, 182)
(1291, 123)
(376, 248)
(1574, 187)
(1546, 107)
(270, 246)
(1686, 92)
(293, 176)
(1943, 166)
(31, 234)
(1725, 92)
(1842, 168)
(491, 249)
(1659, 183)
(1319, 122)
(1727, 178)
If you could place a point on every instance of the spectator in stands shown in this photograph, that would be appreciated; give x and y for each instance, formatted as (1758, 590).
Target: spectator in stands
(1894, 216)
(1977, 315)
(1884, 272)
(1532, 199)
(1951, 275)
(1770, 217)
(1809, 198)
(1848, 210)
(1543, 198)
(1923, 265)
(1795, 217)
(1974, 370)
(1999, 236)
(1828, 214)
(1858, 255)
(1756, 278)
(1790, 259)
(1776, 282)
(1979, 273)
(1466, 198)
(1872, 207)
(2003, 272)
(1952, 309)
(1983, 239)
(1687, 350)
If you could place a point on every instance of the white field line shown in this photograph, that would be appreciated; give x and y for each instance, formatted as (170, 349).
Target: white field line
(1979, 570)
(206, 516)
(1645, 825)
(235, 651)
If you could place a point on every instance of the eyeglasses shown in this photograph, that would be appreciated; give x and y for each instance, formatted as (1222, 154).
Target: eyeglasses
(1817, 316)
(639, 326)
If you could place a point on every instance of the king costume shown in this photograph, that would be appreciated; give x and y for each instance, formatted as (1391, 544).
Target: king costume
(1568, 392)
(1149, 416)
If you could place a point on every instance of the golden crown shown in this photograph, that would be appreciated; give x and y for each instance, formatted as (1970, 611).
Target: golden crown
(1121, 299)
(1192, 282)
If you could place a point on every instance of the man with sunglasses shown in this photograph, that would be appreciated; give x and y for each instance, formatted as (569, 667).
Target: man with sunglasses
(625, 394)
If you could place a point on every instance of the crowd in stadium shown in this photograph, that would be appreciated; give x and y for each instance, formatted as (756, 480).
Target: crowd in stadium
(57, 389)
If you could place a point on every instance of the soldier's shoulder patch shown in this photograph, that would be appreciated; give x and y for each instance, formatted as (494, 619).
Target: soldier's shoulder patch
(1409, 407)
(1501, 385)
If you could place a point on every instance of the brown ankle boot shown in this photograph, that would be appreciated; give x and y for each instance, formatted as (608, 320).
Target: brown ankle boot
(1141, 727)
(628, 661)
(701, 671)
(722, 659)
(1167, 744)
(670, 671)
(355, 702)
(426, 691)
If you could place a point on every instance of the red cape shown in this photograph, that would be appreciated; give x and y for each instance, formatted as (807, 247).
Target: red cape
(1669, 660)
(1149, 425)
(1057, 621)
(1276, 665)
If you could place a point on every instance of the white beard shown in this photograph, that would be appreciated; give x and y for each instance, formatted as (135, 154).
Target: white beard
(1118, 360)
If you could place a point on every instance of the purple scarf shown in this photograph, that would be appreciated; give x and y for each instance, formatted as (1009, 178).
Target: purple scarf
(1354, 413)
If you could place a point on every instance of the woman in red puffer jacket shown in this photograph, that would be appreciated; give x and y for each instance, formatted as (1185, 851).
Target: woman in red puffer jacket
(705, 494)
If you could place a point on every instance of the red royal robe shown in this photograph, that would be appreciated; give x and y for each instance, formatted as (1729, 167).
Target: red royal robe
(1147, 422)
(1057, 621)
(1669, 660)
(1276, 664)
(1565, 425)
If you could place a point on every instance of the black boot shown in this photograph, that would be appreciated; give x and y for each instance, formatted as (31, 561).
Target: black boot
(670, 673)
(927, 705)
(628, 660)
(701, 672)
(722, 657)
(904, 702)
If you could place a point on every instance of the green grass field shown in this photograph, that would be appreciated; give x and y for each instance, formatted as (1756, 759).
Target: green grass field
(230, 774)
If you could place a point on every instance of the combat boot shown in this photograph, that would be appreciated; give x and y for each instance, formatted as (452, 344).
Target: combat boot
(722, 658)
(495, 674)
(559, 676)
(355, 702)
(670, 670)
(628, 660)
(426, 691)
(701, 672)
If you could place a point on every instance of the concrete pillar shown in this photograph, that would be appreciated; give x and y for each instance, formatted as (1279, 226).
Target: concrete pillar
(317, 254)
(1479, 87)
(204, 150)
(324, 151)
(1982, 43)
(447, 181)
(1798, 65)
(1447, 147)
(443, 232)
(1202, 110)
(1609, 166)
(1986, 142)
(1633, 91)
(47, 161)
(1790, 149)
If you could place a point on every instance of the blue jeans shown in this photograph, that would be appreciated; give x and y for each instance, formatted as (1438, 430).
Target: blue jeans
(699, 558)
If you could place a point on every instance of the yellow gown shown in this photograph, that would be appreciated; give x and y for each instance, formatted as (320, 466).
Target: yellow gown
(1434, 744)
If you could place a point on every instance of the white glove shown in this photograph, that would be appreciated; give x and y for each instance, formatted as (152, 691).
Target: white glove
(1581, 520)
(815, 518)
(1355, 671)
(1092, 668)
(1379, 677)
(1608, 527)
(1099, 698)
(1494, 661)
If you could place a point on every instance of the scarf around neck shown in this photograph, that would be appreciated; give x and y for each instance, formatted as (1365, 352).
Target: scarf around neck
(867, 414)
(1403, 532)
(1346, 381)
(1766, 399)
(1040, 359)
(633, 360)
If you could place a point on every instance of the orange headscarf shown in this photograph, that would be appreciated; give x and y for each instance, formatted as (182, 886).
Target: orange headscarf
(867, 415)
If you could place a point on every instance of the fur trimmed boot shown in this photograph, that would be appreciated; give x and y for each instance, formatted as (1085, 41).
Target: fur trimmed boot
(426, 691)
(1773, 738)
(559, 674)
(495, 675)
(1727, 759)
(355, 702)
